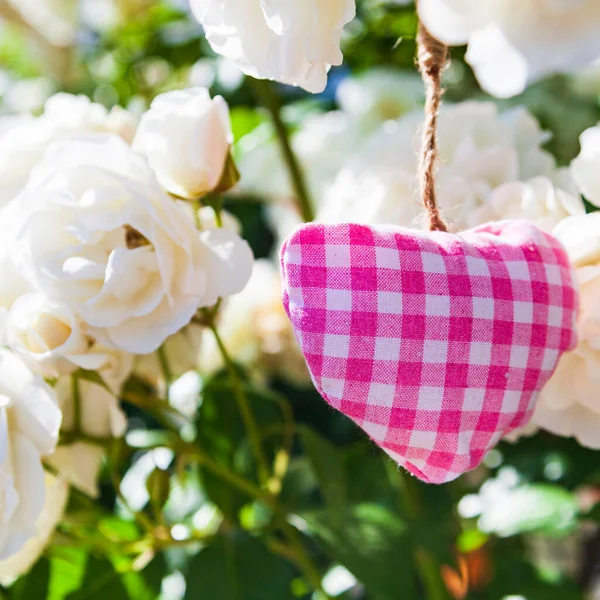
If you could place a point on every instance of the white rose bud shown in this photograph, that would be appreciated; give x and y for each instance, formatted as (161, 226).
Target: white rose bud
(94, 231)
(186, 137)
(29, 424)
(294, 42)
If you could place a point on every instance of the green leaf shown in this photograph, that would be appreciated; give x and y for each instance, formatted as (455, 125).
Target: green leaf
(67, 571)
(373, 544)
(100, 582)
(238, 567)
(329, 468)
(35, 584)
(244, 120)
(118, 530)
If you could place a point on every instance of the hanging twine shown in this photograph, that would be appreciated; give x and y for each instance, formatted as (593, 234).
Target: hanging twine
(432, 56)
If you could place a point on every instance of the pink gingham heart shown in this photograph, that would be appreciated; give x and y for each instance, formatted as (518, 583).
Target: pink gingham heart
(436, 344)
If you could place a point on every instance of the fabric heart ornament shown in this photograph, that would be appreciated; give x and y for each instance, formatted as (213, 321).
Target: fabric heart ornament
(436, 344)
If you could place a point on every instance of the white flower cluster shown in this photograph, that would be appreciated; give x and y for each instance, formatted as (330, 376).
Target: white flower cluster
(364, 168)
(102, 259)
(510, 42)
(569, 404)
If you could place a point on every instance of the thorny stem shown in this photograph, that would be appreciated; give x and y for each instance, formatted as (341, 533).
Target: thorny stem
(268, 97)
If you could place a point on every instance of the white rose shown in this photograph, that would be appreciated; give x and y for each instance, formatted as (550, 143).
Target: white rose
(29, 424)
(537, 200)
(186, 137)
(94, 231)
(293, 42)
(24, 140)
(57, 494)
(101, 417)
(568, 404)
(515, 42)
(49, 337)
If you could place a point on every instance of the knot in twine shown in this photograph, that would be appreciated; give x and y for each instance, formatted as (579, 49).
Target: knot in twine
(432, 57)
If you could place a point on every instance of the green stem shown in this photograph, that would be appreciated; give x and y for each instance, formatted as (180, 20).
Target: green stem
(245, 409)
(270, 100)
(226, 475)
(76, 404)
(164, 364)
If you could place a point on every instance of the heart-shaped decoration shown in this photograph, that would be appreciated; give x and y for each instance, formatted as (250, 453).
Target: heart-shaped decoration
(436, 344)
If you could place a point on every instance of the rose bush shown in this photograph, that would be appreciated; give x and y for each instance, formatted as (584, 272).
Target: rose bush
(161, 437)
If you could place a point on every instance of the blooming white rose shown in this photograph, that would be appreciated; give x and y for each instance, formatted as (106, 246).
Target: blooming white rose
(515, 42)
(24, 140)
(537, 200)
(101, 417)
(49, 336)
(29, 424)
(186, 137)
(94, 231)
(491, 167)
(568, 404)
(293, 42)
(180, 351)
(57, 494)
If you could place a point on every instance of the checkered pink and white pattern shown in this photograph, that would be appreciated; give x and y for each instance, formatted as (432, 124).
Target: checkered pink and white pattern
(436, 344)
